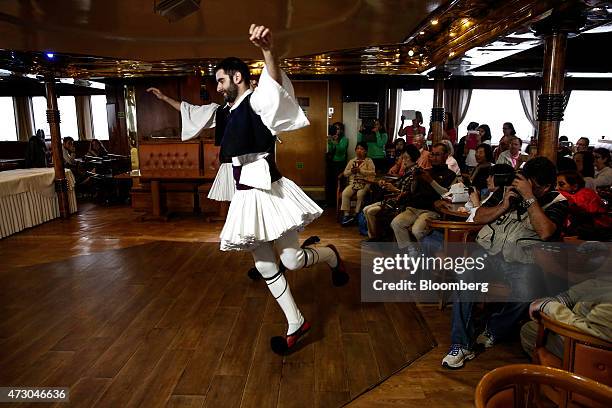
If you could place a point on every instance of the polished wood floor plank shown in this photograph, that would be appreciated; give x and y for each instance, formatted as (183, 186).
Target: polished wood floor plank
(139, 367)
(133, 338)
(238, 353)
(186, 401)
(263, 382)
(86, 392)
(156, 390)
(361, 367)
(297, 386)
(225, 391)
(198, 375)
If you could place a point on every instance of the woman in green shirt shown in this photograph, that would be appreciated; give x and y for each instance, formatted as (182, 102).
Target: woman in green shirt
(376, 137)
(337, 146)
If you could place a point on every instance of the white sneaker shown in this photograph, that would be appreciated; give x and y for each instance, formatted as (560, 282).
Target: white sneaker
(485, 339)
(456, 356)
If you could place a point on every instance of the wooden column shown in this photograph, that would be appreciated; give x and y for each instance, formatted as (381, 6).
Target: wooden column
(53, 117)
(551, 101)
(437, 111)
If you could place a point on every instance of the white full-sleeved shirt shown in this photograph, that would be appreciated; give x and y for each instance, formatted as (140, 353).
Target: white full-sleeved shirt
(276, 106)
(273, 102)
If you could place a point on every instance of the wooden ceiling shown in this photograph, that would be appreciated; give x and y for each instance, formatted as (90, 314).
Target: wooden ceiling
(119, 38)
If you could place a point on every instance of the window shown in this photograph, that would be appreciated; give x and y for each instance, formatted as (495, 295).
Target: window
(68, 118)
(39, 105)
(7, 119)
(494, 107)
(99, 118)
(586, 116)
(421, 100)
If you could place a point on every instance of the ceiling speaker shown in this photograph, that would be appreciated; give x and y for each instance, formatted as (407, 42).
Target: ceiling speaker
(175, 10)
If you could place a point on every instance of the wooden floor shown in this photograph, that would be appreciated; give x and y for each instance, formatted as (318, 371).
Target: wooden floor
(152, 314)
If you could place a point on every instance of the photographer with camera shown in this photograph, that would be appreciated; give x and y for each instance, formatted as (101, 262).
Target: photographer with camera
(337, 146)
(531, 212)
(372, 133)
(394, 191)
(427, 187)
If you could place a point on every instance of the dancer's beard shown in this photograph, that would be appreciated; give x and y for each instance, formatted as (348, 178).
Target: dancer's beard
(231, 94)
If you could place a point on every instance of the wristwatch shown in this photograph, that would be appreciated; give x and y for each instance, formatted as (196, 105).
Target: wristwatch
(529, 202)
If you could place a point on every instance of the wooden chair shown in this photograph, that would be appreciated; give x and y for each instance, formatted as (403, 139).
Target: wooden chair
(455, 232)
(583, 354)
(508, 386)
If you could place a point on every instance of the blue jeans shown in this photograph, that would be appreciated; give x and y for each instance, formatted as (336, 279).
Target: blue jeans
(522, 279)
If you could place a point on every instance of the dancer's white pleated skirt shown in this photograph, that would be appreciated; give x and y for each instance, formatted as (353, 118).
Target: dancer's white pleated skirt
(224, 186)
(256, 216)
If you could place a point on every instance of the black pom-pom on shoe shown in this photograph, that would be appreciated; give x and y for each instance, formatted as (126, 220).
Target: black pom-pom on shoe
(254, 274)
(285, 345)
(339, 275)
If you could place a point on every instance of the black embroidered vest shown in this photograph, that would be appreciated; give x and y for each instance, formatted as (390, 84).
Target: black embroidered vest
(246, 133)
(221, 116)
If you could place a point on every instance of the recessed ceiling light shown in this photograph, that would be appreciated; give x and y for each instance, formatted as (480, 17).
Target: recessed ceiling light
(434, 22)
(410, 53)
(422, 33)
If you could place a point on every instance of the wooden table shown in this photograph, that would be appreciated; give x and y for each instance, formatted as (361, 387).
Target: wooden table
(451, 210)
(156, 183)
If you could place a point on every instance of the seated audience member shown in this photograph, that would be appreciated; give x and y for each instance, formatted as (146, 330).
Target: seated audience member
(376, 138)
(585, 164)
(531, 212)
(603, 171)
(586, 306)
(513, 155)
(36, 155)
(398, 155)
(399, 187)
(565, 163)
(499, 176)
(588, 216)
(478, 176)
(96, 149)
(358, 170)
(582, 145)
(449, 132)
(423, 162)
(427, 187)
(485, 134)
(504, 142)
(563, 149)
(415, 129)
(460, 152)
(69, 151)
(450, 161)
(472, 140)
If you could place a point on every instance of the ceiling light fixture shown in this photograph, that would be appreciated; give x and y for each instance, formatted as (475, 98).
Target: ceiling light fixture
(434, 22)
(175, 10)
(410, 53)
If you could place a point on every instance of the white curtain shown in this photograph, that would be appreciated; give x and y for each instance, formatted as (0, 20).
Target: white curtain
(457, 102)
(393, 113)
(529, 100)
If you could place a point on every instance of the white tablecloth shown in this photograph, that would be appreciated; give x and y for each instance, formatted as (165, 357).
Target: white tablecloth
(28, 198)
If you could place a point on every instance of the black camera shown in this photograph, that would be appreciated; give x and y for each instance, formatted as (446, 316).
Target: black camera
(332, 130)
(503, 179)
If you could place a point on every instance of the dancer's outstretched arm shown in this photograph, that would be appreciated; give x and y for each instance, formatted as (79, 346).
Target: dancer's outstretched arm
(261, 37)
(160, 95)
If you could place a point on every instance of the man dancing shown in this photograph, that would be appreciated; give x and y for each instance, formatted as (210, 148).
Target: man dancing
(267, 210)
